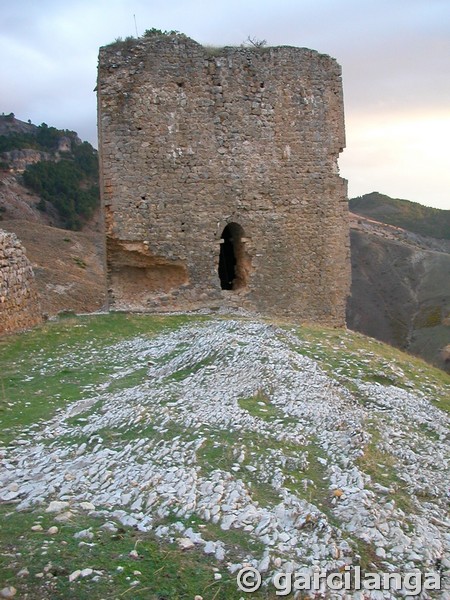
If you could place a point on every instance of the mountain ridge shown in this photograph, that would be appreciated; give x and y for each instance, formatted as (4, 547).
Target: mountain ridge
(414, 217)
(400, 291)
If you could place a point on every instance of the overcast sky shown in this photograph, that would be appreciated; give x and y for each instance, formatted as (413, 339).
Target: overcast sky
(395, 56)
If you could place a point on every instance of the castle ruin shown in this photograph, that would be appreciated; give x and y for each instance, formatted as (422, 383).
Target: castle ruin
(219, 178)
(19, 300)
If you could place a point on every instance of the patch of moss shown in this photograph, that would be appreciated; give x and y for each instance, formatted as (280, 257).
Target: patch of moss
(383, 469)
(430, 316)
(261, 407)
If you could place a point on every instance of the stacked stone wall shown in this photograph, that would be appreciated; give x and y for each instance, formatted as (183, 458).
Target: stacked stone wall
(192, 140)
(19, 302)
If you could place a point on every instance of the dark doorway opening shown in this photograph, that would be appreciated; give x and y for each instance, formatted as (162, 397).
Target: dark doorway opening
(232, 258)
(227, 260)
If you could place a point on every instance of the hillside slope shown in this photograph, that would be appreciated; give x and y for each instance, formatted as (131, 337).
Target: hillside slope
(400, 288)
(251, 443)
(68, 265)
(18, 202)
(54, 164)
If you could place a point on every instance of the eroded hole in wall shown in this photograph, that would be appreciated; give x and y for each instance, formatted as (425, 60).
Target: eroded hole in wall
(234, 262)
(136, 274)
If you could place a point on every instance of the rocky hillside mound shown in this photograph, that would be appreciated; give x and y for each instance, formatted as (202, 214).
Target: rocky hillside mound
(247, 443)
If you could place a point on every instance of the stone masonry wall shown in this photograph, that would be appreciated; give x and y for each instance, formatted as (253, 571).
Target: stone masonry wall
(19, 303)
(193, 139)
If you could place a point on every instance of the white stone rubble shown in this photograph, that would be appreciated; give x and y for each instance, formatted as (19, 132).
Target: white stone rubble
(175, 432)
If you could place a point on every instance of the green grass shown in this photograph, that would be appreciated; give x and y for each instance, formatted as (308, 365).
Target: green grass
(261, 407)
(187, 371)
(429, 433)
(221, 450)
(238, 542)
(165, 571)
(79, 262)
(347, 356)
(383, 469)
(61, 362)
(306, 478)
(136, 377)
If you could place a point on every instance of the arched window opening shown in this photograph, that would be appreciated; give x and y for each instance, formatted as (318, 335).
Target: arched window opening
(233, 261)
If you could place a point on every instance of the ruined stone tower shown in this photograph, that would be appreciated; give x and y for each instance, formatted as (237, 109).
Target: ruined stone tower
(219, 178)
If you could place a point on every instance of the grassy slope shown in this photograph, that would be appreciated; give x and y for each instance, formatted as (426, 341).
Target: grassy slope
(403, 213)
(31, 392)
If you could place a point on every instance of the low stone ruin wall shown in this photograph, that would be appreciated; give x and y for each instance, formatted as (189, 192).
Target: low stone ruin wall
(19, 301)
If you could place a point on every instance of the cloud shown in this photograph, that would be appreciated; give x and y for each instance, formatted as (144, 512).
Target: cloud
(395, 56)
(402, 155)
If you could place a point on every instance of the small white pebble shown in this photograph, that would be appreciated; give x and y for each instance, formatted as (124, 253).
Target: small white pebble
(23, 572)
(87, 506)
(73, 576)
(85, 534)
(86, 572)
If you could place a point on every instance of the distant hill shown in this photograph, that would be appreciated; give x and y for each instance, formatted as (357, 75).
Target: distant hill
(49, 184)
(400, 288)
(54, 164)
(403, 213)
